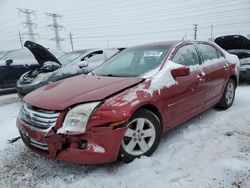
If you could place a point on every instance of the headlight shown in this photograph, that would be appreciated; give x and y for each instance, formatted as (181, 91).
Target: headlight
(77, 118)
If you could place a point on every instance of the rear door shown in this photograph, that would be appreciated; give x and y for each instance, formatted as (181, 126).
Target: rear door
(216, 71)
(186, 98)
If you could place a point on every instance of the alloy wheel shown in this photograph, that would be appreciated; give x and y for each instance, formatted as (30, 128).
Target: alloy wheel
(230, 93)
(139, 136)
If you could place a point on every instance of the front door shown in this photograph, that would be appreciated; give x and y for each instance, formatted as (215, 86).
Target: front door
(185, 99)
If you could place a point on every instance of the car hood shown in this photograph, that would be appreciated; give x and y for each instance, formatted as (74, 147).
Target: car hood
(231, 42)
(41, 54)
(79, 89)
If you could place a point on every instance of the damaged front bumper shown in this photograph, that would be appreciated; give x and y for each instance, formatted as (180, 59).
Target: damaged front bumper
(95, 146)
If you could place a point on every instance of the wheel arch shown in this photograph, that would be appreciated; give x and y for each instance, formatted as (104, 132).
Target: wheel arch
(154, 110)
(234, 78)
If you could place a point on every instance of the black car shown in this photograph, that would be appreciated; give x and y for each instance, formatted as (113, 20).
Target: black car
(70, 64)
(240, 46)
(13, 65)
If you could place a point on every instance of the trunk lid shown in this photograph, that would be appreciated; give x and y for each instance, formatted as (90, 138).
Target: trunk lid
(231, 42)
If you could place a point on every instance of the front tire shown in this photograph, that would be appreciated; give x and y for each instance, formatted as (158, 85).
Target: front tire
(142, 136)
(228, 95)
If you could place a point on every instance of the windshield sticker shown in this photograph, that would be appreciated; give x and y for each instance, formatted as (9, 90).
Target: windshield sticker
(152, 54)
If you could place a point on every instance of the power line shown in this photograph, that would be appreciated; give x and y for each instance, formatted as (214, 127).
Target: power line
(8, 21)
(152, 32)
(169, 21)
(56, 27)
(144, 7)
(166, 19)
(28, 23)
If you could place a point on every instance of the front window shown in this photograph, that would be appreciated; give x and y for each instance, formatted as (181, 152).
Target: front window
(186, 56)
(133, 62)
(70, 57)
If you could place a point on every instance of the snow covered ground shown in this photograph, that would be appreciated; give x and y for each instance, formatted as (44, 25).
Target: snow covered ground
(210, 150)
(8, 99)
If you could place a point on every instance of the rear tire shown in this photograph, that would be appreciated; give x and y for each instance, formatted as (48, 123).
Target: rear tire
(228, 95)
(142, 136)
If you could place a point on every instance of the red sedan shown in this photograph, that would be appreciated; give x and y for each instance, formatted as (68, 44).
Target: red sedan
(122, 109)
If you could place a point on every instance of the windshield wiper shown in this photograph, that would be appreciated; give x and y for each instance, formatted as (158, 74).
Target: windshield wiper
(114, 75)
(109, 75)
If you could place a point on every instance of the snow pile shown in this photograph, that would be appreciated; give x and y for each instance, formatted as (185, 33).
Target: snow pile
(231, 58)
(164, 78)
(69, 69)
(42, 77)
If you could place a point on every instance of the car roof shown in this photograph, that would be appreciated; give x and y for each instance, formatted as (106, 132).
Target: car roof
(163, 43)
(171, 43)
(79, 51)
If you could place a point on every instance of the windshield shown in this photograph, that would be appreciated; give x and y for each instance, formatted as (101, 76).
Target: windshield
(70, 57)
(133, 62)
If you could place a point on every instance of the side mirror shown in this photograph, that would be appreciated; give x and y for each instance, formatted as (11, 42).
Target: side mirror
(9, 61)
(181, 71)
(82, 64)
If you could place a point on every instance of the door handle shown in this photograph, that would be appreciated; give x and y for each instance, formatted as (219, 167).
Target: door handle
(200, 77)
(26, 65)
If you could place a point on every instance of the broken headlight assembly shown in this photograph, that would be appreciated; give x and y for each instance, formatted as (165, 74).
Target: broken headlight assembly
(77, 118)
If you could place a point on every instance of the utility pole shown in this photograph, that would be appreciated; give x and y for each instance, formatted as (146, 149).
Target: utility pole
(71, 41)
(211, 34)
(195, 31)
(28, 23)
(108, 42)
(20, 38)
(56, 27)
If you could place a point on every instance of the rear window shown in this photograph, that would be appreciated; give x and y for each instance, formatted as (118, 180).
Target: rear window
(208, 52)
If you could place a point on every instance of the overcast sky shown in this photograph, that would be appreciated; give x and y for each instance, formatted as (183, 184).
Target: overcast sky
(113, 23)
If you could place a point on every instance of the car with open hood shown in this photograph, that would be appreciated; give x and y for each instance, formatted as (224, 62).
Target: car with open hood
(122, 108)
(240, 46)
(14, 63)
(53, 69)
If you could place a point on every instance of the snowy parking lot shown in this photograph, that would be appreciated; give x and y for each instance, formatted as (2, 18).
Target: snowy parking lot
(210, 150)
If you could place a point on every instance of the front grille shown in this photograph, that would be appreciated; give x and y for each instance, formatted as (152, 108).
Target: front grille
(34, 143)
(39, 118)
(39, 145)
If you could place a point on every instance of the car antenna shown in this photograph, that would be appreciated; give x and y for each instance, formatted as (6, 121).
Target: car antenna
(184, 36)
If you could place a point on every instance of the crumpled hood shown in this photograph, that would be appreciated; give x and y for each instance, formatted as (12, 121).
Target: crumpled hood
(78, 89)
(41, 54)
(231, 42)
